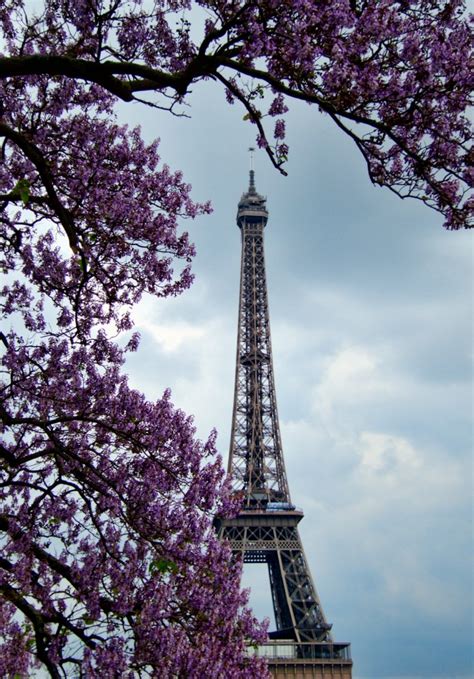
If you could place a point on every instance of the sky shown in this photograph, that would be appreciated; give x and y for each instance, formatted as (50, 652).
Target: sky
(371, 318)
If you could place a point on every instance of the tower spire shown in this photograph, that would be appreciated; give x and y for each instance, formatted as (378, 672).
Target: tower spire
(252, 172)
(266, 527)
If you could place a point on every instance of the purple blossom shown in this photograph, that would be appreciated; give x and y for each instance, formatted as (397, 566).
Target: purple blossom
(279, 132)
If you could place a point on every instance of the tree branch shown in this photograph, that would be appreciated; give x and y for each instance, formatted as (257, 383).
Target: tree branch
(103, 74)
(45, 557)
(34, 154)
(41, 634)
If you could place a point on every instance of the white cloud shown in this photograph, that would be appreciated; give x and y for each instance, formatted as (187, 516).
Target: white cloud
(171, 336)
(197, 357)
(386, 500)
(349, 376)
(385, 454)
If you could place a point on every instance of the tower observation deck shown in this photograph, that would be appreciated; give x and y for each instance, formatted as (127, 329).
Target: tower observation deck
(266, 529)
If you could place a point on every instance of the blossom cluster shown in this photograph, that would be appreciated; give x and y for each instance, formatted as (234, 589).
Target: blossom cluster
(108, 549)
(393, 75)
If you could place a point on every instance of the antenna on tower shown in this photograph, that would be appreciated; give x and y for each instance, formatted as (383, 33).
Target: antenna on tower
(252, 172)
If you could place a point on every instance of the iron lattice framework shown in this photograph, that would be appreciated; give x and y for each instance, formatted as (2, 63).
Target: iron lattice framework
(266, 528)
(256, 460)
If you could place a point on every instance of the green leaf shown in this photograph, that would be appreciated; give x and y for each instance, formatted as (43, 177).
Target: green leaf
(88, 620)
(82, 263)
(162, 566)
(22, 190)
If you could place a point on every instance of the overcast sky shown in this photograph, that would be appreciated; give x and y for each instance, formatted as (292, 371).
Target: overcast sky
(371, 316)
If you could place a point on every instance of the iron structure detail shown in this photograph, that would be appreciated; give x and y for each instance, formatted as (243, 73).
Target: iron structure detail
(266, 528)
(256, 460)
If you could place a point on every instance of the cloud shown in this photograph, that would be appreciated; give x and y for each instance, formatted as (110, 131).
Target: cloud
(349, 377)
(384, 510)
(390, 456)
(170, 336)
(193, 359)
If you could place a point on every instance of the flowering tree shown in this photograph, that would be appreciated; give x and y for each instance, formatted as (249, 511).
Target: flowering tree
(109, 566)
(109, 561)
(392, 74)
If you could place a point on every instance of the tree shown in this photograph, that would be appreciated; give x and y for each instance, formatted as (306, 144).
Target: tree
(109, 562)
(392, 74)
(109, 565)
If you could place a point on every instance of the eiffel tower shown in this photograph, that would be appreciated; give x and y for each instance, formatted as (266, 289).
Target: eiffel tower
(266, 528)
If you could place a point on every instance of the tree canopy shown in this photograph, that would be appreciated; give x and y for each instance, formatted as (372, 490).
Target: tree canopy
(109, 563)
(392, 74)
